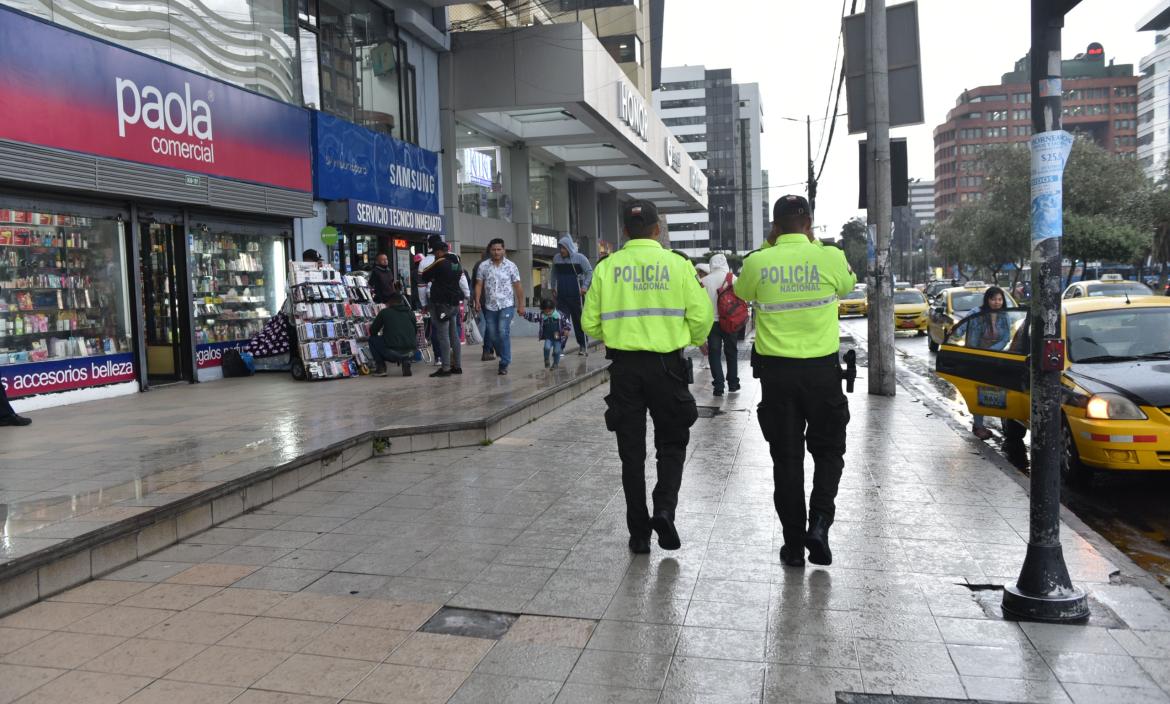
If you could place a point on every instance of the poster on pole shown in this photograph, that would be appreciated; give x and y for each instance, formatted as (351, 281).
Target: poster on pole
(1050, 152)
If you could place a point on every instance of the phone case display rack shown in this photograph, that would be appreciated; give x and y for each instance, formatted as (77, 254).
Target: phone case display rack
(230, 296)
(54, 288)
(331, 315)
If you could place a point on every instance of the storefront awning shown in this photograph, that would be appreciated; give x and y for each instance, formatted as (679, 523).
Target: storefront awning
(556, 89)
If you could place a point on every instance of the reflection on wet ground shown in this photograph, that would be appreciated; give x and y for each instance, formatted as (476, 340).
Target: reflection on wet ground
(81, 467)
(1127, 508)
(372, 585)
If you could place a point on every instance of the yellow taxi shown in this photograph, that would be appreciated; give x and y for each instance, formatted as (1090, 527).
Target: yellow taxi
(1116, 397)
(1107, 285)
(910, 310)
(854, 303)
(952, 305)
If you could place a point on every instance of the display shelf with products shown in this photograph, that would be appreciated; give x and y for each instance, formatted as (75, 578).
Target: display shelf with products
(232, 285)
(62, 289)
(331, 318)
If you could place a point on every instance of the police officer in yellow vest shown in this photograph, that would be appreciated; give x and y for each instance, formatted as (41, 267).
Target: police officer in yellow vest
(647, 306)
(794, 282)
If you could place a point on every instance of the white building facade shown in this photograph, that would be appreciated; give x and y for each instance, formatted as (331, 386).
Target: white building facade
(719, 124)
(1153, 114)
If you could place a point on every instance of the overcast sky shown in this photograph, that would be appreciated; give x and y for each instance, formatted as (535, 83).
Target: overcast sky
(787, 46)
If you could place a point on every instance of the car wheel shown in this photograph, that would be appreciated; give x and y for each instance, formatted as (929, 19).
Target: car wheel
(931, 344)
(921, 333)
(298, 370)
(1013, 431)
(1075, 472)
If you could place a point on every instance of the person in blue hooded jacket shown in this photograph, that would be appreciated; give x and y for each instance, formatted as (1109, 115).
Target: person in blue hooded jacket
(571, 276)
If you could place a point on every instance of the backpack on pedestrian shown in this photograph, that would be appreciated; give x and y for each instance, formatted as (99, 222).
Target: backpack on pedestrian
(733, 311)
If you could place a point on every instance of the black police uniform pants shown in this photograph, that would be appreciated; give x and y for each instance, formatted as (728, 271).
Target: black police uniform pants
(647, 381)
(804, 403)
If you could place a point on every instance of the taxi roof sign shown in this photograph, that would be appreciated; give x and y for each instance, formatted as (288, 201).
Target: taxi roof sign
(1111, 277)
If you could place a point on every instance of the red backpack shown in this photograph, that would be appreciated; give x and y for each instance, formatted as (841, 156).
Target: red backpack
(733, 311)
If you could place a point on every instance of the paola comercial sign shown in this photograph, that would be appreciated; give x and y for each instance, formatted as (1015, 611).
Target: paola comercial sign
(65, 90)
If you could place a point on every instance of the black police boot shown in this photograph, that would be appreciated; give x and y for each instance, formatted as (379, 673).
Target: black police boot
(792, 557)
(817, 539)
(640, 546)
(667, 534)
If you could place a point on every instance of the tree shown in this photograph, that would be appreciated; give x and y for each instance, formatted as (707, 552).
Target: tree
(853, 241)
(1108, 211)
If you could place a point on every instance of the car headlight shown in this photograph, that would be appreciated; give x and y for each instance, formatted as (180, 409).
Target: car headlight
(1109, 406)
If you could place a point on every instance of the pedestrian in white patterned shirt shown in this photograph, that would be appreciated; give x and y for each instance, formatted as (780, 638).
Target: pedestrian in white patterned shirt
(498, 291)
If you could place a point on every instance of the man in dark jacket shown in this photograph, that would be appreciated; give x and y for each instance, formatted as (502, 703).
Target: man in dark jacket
(571, 276)
(393, 335)
(443, 275)
(382, 279)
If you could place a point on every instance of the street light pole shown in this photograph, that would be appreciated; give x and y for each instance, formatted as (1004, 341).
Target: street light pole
(1044, 590)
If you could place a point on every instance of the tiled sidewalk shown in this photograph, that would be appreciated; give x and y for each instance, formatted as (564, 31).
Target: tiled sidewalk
(318, 598)
(79, 468)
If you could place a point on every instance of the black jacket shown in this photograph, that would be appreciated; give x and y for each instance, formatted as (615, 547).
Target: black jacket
(396, 325)
(382, 281)
(443, 276)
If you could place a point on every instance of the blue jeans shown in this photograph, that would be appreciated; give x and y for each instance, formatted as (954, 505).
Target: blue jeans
(497, 332)
(487, 343)
(722, 344)
(553, 347)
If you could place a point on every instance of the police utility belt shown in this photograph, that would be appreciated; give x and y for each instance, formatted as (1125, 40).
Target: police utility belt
(667, 358)
(764, 366)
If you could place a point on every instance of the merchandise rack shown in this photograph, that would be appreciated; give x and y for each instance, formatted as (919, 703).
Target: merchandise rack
(53, 304)
(331, 316)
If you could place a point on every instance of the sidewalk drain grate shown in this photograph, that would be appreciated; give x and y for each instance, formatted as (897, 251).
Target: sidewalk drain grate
(470, 622)
(853, 698)
(708, 411)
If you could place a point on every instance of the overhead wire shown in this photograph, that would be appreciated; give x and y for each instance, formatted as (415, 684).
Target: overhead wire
(832, 77)
(836, 105)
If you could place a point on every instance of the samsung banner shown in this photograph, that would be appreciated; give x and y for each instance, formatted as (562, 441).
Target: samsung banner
(353, 163)
(65, 90)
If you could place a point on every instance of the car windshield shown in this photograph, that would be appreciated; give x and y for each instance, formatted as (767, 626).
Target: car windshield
(966, 300)
(1121, 333)
(854, 295)
(908, 296)
(1000, 330)
(1119, 289)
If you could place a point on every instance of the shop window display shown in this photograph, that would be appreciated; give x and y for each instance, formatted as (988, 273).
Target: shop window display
(237, 282)
(62, 287)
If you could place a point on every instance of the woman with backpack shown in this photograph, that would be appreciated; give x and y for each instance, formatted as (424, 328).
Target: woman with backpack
(722, 343)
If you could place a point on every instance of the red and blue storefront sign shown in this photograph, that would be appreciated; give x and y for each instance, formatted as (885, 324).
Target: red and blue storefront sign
(210, 354)
(65, 90)
(34, 378)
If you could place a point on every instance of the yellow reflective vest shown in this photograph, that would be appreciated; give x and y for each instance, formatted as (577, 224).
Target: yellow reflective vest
(793, 286)
(646, 298)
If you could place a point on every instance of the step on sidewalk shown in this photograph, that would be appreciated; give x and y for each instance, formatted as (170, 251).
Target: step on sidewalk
(93, 486)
